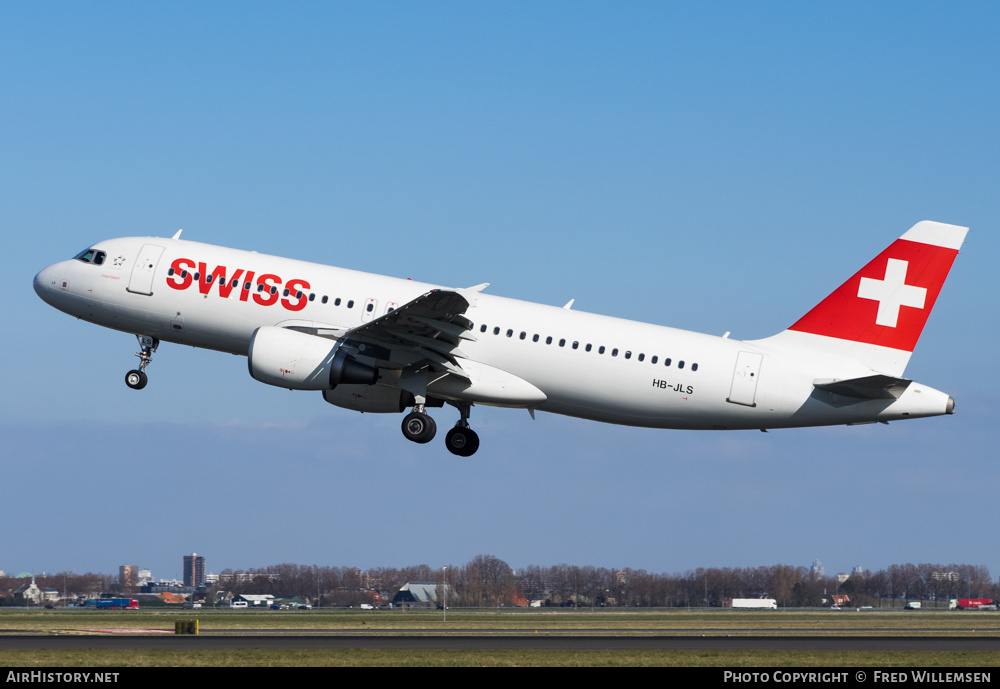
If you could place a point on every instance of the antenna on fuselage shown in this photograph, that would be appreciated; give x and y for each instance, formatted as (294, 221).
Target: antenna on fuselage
(177, 235)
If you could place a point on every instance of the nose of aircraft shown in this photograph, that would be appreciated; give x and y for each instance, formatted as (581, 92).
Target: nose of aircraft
(45, 283)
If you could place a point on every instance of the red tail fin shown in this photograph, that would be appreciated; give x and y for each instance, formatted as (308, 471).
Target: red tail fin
(888, 301)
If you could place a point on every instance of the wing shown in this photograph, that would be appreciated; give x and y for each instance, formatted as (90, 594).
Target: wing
(425, 336)
(428, 329)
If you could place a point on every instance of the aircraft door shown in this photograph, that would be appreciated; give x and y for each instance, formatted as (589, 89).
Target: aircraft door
(141, 281)
(745, 376)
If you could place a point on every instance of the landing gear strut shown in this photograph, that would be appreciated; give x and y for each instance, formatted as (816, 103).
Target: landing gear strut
(136, 378)
(462, 440)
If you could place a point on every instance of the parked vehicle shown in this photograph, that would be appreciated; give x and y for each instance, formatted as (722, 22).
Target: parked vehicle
(972, 604)
(755, 603)
(113, 603)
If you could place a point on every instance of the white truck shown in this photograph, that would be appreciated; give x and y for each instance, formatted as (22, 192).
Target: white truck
(755, 604)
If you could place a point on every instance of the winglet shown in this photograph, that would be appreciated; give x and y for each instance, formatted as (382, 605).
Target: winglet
(471, 294)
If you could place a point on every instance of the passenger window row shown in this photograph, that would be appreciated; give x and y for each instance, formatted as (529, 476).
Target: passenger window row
(601, 349)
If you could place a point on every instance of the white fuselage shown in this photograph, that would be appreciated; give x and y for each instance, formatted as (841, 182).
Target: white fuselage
(584, 365)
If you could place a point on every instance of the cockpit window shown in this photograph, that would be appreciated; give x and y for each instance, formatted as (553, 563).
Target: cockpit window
(91, 256)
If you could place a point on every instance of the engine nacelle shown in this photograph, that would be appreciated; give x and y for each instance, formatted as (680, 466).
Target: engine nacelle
(294, 360)
(375, 399)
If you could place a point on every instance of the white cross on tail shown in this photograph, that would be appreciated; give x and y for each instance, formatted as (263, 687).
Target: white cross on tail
(892, 292)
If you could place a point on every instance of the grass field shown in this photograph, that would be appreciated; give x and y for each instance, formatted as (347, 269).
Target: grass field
(559, 622)
(525, 658)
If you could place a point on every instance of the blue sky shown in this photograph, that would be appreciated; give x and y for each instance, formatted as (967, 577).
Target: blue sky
(711, 166)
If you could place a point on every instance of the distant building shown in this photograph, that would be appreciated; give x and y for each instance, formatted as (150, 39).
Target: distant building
(256, 600)
(950, 577)
(419, 593)
(128, 575)
(157, 587)
(145, 576)
(241, 578)
(817, 569)
(29, 593)
(194, 570)
(856, 572)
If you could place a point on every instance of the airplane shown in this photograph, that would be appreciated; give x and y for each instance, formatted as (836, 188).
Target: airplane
(380, 344)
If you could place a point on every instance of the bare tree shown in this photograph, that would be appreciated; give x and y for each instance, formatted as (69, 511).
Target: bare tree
(490, 578)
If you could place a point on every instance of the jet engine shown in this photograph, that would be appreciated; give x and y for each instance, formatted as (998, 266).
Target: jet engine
(297, 361)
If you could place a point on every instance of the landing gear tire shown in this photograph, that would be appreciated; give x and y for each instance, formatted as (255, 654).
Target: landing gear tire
(136, 379)
(419, 428)
(462, 441)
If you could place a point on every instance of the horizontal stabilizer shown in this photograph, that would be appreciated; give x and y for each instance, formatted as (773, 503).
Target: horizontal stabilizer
(877, 387)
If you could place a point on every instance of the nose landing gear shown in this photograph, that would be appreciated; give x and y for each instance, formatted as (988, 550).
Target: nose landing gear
(136, 378)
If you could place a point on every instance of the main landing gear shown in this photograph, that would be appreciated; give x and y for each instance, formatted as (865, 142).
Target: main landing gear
(461, 440)
(136, 378)
(418, 426)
